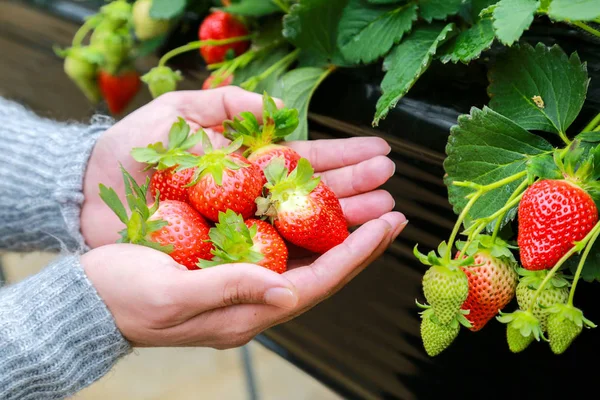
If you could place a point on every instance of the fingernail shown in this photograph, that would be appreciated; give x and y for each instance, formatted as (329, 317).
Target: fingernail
(281, 297)
(393, 171)
(400, 228)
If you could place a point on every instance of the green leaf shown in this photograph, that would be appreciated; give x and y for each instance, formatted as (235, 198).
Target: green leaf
(253, 8)
(178, 133)
(167, 9)
(367, 32)
(477, 6)
(590, 136)
(439, 9)
(575, 10)
(526, 72)
(485, 147)
(312, 25)
(543, 167)
(299, 86)
(407, 62)
(469, 44)
(512, 18)
(385, 1)
(110, 197)
(286, 121)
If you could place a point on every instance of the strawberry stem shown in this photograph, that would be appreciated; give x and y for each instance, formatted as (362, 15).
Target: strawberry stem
(83, 30)
(517, 192)
(458, 224)
(586, 252)
(586, 28)
(251, 83)
(284, 7)
(594, 123)
(198, 44)
(575, 249)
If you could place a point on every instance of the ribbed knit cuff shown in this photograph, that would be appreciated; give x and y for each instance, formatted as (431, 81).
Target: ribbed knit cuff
(41, 179)
(56, 334)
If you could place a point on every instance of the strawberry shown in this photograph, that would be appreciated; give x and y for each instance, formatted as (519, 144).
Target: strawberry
(252, 241)
(565, 323)
(446, 289)
(214, 81)
(260, 141)
(552, 215)
(220, 25)
(167, 181)
(118, 90)
(161, 79)
(437, 337)
(170, 226)
(492, 279)
(146, 27)
(81, 66)
(523, 327)
(556, 291)
(222, 180)
(302, 208)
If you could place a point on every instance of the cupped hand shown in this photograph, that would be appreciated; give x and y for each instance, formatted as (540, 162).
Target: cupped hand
(354, 168)
(159, 303)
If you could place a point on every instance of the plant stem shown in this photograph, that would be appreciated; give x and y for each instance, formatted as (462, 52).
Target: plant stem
(198, 44)
(584, 256)
(491, 186)
(83, 31)
(458, 224)
(251, 83)
(593, 124)
(564, 138)
(517, 192)
(576, 248)
(284, 7)
(586, 28)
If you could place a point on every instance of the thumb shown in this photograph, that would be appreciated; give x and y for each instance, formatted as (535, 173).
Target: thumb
(229, 284)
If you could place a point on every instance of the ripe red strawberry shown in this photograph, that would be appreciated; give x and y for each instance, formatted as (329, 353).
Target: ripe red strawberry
(167, 180)
(252, 241)
(118, 90)
(220, 25)
(556, 291)
(552, 215)
(302, 208)
(492, 280)
(213, 82)
(223, 180)
(170, 226)
(260, 141)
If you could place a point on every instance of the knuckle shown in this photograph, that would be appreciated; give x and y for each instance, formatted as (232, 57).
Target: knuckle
(236, 293)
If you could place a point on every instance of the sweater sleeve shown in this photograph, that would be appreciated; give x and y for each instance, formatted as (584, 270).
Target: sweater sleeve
(41, 179)
(56, 334)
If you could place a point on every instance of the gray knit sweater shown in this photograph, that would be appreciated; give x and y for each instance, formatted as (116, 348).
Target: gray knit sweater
(56, 334)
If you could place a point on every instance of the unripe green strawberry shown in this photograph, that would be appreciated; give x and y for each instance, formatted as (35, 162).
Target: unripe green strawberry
(81, 65)
(556, 291)
(114, 44)
(522, 328)
(565, 323)
(144, 25)
(445, 289)
(436, 336)
(161, 80)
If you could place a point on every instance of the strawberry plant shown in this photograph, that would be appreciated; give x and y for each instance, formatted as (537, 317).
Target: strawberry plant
(525, 188)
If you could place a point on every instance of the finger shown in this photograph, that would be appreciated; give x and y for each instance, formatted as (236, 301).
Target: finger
(225, 285)
(329, 154)
(212, 107)
(359, 178)
(367, 206)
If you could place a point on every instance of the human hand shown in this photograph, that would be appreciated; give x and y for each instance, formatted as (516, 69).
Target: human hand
(163, 304)
(353, 168)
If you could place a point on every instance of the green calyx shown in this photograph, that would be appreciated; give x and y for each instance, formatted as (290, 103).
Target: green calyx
(233, 241)
(567, 312)
(161, 80)
(214, 161)
(496, 247)
(180, 141)
(440, 258)
(284, 186)
(118, 12)
(533, 279)
(277, 124)
(138, 226)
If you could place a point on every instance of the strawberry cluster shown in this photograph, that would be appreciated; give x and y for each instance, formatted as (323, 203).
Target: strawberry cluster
(227, 206)
(557, 219)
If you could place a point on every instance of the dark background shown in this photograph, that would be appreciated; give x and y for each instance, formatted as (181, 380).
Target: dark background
(363, 342)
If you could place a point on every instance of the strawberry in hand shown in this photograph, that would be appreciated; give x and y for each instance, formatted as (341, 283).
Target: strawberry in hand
(251, 241)
(222, 180)
(171, 226)
(168, 182)
(261, 142)
(302, 208)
